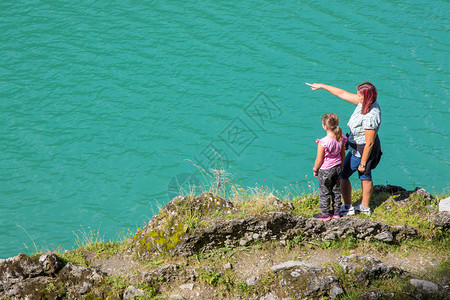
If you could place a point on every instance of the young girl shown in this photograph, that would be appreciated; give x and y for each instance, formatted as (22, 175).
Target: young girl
(328, 166)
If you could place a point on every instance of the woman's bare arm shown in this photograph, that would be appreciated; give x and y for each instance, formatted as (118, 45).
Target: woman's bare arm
(370, 139)
(352, 98)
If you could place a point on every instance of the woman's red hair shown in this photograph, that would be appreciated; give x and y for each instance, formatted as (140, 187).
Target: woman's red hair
(369, 92)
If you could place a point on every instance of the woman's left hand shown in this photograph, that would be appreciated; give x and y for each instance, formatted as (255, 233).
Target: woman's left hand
(315, 86)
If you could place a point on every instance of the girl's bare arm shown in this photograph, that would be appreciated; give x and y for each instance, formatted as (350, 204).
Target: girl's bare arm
(319, 159)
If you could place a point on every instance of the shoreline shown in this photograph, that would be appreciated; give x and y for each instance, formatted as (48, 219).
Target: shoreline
(29, 242)
(205, 247)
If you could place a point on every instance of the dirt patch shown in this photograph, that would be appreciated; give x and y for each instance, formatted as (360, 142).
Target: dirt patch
(254, 262)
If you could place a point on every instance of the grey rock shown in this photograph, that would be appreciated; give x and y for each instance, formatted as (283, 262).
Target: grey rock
(366, 268)
(17, 274)
(227, 266)
(269, 296)
(422, 192)
(403, 232)
(440, 219)
(20, 266)
(424, 286)
(392, 189)
(290, 265)
(304, 281)
(132, 293)
(24, 277)
(187, 286)
(330, 236)
(82, 273)
(284, 206)
(295, 274)
(336, 291)
(208, 269)
(385, 237)
(177, 297)
(165, 273)
(84, 288)
(374, 295)
(243, 242)
(252, 280)
(444, 204)
(51, 263)
(430, 208)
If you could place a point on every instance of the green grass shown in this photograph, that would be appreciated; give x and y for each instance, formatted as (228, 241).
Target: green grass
(89, 241)
(116, 285)
(36, 249)
(107, 249)
(411, 211)
(76, 256)
(397, 284)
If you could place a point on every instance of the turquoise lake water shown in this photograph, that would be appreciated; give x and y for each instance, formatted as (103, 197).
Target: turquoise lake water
(106, 107)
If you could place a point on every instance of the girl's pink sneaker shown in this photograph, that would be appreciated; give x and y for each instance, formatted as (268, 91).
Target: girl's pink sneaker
(322, 216)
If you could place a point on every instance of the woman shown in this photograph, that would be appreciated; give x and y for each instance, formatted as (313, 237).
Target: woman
(365, 149)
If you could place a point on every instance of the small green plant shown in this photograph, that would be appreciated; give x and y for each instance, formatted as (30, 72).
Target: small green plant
(125, 234)
(211, 277)
(305, 206)
(107, 249)
(157, 262)
(243, 288)
(36, 248)
(55, 287)
(296, 241)
(266, 282)
(50, 287)
(84, 237)
(192, 219)
(251, 201)
(410, 212)
(158, 279)
(76, 256)
(149, 289)
(215, 179)
(345, 279)
(327, 244)
(117, 284)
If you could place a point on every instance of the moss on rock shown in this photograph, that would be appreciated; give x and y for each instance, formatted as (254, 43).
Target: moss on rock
(176, 221)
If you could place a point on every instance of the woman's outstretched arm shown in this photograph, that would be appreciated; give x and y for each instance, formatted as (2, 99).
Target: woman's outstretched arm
(352, 98)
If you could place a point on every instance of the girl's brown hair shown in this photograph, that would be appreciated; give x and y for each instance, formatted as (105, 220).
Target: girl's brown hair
(331, 121)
